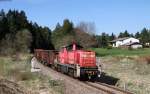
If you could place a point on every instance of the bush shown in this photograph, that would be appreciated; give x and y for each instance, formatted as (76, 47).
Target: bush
(109, 47)
(147, 58)
(14, 44)
(19, 75)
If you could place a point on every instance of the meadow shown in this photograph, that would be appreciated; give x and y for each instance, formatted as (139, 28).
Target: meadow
(131, 67)
(133, 73)
(18, 71)
(121, 52)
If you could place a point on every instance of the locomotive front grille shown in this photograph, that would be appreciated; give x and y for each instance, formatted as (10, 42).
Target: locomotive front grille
(88, 70)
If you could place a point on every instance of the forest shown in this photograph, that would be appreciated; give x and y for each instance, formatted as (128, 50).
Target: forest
(18, 34)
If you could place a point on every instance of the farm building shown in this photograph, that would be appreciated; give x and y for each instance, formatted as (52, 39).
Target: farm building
(126, 42)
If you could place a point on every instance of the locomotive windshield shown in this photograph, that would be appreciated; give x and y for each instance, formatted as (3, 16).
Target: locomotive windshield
(69, 47)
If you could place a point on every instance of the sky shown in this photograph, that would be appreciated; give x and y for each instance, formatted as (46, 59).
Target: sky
(109, 16)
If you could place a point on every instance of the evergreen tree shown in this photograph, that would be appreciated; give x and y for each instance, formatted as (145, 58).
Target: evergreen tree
(58, 27)
(131, 35)
(121, 35)
(126, 34)
(15, 21)
(67, 27)
(104, 40)
(4, 29)
(112, 37)
(145, 36)
(137, 35)
(63, 35)
(98, 39)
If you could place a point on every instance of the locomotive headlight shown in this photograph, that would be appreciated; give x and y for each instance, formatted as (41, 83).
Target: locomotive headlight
(99, 75)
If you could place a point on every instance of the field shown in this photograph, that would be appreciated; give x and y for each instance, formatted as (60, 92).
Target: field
(32, 83)
(121, 52)
(131, 67)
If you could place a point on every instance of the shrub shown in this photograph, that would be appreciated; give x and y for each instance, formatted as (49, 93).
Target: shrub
(19, 75)
(109, 47)
(20, 42)
(147, 58)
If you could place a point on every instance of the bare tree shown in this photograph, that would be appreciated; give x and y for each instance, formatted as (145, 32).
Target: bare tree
(88, 27)
(85, 34)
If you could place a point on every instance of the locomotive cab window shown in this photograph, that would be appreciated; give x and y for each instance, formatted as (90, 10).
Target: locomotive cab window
(70, 47)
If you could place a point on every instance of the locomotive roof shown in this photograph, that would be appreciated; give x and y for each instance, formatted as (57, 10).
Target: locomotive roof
(71, 45)
(77, 45)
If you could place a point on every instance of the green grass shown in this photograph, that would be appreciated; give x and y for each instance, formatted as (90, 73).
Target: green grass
(121, 52)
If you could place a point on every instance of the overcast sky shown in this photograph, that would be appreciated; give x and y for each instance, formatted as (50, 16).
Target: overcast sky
(108, 15)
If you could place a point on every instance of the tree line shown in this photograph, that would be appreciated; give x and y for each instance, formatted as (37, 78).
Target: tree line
(67, 34)
(103, 39)
(18, 34)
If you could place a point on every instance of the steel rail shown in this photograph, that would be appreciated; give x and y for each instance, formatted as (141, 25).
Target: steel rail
(108, 88)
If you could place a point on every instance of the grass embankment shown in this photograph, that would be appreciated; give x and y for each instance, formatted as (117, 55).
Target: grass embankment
(131, 67)
(34, 83)
(121, 52)
(133, 73)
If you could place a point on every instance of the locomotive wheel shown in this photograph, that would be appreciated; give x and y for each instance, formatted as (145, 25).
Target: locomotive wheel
(71, 72)
(49, 65)
(74, 73)
(45, 63)
(53, 67)
(58, 68)
(84, 77)
(61, 69)
(93, 78)
(42, 62)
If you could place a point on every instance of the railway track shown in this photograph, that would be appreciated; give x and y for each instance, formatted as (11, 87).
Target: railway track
(108, 88)
(100, 88)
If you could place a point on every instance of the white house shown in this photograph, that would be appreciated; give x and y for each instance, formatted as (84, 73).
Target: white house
(126, 42)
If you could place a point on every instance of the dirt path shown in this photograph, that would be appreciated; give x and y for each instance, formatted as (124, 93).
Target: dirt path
(71, 85)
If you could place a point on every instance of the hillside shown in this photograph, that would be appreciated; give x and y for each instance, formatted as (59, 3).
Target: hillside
(18, 34)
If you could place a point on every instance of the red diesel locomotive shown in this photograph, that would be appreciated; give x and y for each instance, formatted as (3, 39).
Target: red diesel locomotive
(71, 60)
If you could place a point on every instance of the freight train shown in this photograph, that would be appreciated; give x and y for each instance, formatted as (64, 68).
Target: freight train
(71, 60)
